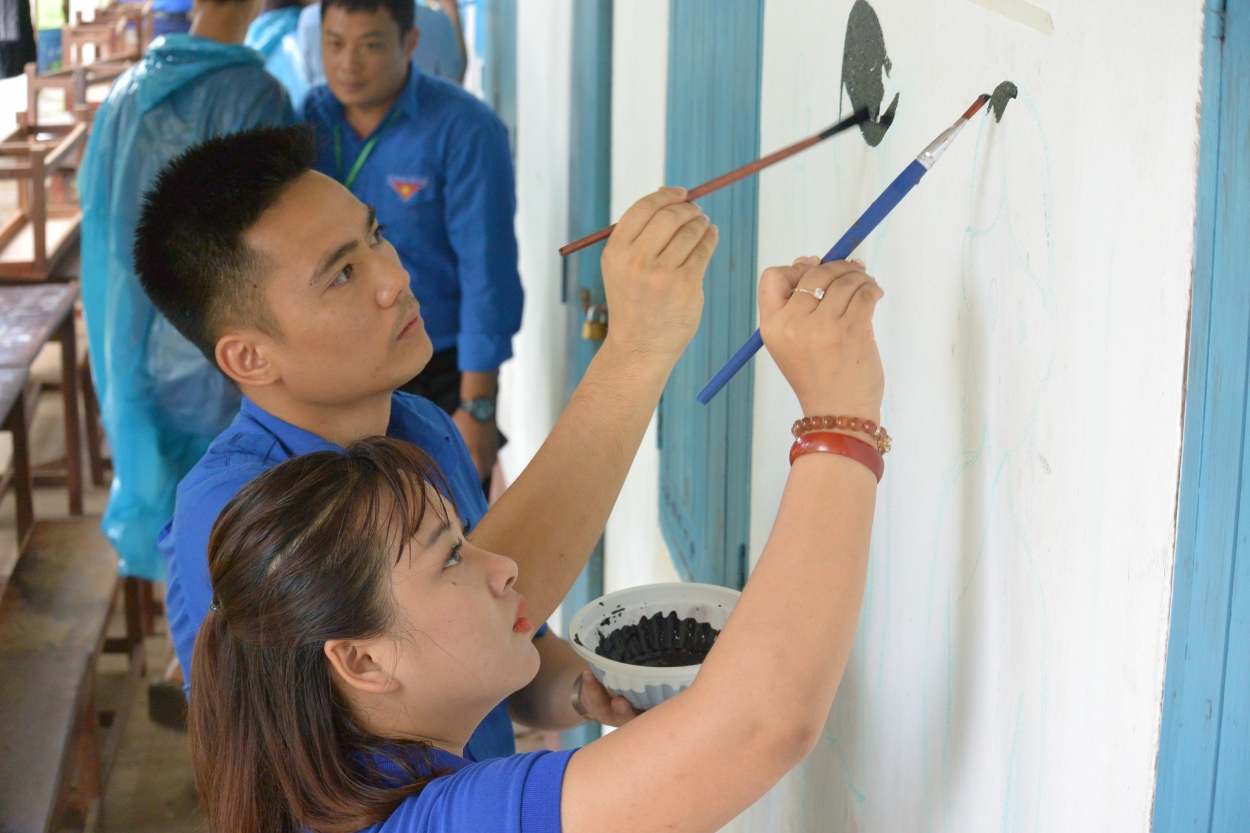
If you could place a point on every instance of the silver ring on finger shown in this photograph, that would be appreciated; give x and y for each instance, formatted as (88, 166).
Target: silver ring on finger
(576, 700)
(816, 293)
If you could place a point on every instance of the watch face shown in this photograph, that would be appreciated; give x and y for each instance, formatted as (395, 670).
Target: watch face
(482, 408)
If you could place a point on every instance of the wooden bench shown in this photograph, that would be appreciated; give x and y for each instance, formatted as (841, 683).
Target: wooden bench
(53, 619)
(43, 159)
(30, 316)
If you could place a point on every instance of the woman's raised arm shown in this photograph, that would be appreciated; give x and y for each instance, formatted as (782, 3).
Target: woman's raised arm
(764, 692)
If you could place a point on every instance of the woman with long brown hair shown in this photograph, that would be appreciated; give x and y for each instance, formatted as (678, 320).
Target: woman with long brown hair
(357, 638)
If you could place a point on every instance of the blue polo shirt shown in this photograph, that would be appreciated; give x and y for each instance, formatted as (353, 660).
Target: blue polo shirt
(520, 794)
(257, 441)
(440, 177)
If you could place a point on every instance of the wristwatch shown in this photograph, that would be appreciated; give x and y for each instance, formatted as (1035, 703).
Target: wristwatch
(481, 408)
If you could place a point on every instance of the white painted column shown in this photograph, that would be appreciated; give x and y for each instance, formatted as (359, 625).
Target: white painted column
(635, 552)
(531, 385)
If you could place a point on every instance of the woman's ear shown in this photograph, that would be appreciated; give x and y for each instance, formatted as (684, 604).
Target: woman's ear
(361, 664)
(244, 358)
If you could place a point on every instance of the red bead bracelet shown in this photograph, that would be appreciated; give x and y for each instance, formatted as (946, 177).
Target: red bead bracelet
(807, 425)
(828, 441)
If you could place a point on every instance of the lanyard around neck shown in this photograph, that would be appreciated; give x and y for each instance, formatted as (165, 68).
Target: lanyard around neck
(360, 159)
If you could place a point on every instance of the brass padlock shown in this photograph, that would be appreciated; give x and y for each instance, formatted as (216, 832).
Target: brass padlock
(595, 327)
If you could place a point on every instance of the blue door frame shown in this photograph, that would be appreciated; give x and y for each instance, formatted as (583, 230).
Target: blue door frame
(1204, 746)
(714, 68)
(496, 43)
(590, 181)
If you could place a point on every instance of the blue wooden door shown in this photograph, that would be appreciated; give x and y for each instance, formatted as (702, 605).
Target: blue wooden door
(590, 179)
(715, 52)
(1204, 749)
(496, 43)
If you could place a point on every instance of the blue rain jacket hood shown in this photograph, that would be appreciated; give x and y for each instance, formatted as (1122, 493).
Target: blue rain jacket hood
(274, 36)
(161, 401)
(174, 61)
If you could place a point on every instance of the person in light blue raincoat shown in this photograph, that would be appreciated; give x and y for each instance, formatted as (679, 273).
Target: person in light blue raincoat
(274, 36)
(440, 48)
(161, 401)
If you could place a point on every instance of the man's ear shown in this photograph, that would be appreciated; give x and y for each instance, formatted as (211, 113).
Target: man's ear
(410, 41)
(361, 664)
(244, 356)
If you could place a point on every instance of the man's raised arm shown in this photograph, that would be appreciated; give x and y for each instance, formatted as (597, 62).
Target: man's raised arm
(551, 517)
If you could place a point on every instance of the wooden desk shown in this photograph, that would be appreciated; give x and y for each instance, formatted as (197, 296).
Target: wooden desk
(13, 419)
(30, 316)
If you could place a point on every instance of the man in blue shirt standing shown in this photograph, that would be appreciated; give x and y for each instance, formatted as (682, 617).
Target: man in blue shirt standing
(436, 165)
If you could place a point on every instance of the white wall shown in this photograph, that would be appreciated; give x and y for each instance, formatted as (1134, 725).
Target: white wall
(634, 551)
(532, 383)
(1009, 663)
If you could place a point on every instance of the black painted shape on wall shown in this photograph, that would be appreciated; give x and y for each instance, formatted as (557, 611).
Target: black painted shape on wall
(1003, 93)
(864, 59)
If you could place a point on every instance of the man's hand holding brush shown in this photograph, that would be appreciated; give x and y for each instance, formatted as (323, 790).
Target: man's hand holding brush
(550, 519)
(653, 269)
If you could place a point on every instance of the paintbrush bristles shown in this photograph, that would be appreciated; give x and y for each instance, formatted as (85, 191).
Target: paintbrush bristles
(980, 102)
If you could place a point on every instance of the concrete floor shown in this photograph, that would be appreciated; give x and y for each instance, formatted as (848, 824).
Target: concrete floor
(150, 788)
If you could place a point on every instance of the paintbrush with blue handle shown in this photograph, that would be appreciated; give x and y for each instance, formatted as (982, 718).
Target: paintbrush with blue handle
(868, 221)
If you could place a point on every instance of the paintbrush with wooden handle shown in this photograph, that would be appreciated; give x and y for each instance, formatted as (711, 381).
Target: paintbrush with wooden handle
(868, 221)
(733, 176)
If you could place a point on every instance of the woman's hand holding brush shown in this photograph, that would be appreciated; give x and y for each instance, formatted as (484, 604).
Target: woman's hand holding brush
(824, 346)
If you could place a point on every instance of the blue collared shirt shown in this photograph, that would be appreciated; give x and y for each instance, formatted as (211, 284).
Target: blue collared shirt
(440, 177)
(520, 794)
(257, 441)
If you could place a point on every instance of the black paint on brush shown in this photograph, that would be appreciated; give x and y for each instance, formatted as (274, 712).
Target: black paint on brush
(1003, 93)
(864, 59)
(659, 641)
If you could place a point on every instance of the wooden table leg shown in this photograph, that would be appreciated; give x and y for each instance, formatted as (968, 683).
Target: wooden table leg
(15, 423)
(69, 390)
(95, 435)
(86, 790)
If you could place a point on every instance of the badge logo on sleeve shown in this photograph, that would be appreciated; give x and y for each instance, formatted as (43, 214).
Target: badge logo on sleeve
(407, 186)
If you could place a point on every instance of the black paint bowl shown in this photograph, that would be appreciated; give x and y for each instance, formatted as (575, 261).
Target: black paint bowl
(646, 687)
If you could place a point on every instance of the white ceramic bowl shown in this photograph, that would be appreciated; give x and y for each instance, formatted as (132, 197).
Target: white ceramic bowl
(646, 687)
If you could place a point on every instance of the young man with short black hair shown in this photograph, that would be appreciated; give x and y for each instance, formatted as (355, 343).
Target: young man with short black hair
(284, 279)
(436, 164)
